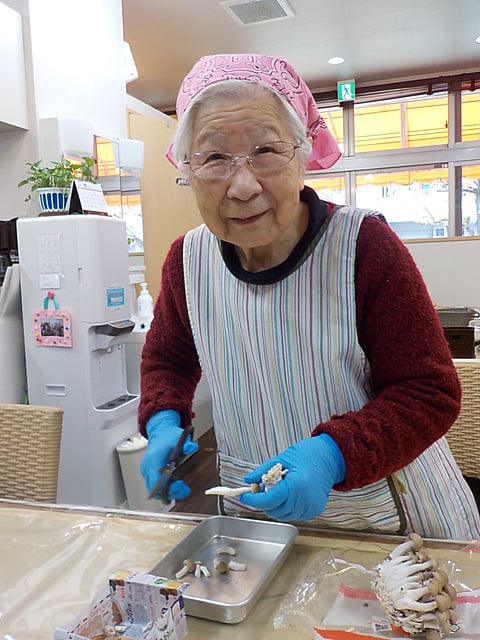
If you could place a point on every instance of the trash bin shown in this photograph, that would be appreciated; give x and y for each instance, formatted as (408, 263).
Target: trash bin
(130, 453)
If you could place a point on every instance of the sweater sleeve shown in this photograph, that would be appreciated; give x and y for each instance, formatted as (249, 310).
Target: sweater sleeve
(169, 368)
(416, 385)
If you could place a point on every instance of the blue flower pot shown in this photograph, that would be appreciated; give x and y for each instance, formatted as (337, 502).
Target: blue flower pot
(52, 200)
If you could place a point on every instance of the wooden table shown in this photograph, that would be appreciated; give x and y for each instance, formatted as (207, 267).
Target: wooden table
(53, 560)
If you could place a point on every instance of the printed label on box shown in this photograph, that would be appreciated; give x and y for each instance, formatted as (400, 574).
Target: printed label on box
(136, 606)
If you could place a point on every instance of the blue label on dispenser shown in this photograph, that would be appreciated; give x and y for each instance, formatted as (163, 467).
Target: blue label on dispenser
(115, 296)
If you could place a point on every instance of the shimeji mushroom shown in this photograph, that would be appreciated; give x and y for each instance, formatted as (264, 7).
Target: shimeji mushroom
(269, 480)
(201, 569)
(232, 492)
(229, 551)
(197, 568)
(188, 567)
(273, 476)
(222, 566)
(233, 565)
(414, 592)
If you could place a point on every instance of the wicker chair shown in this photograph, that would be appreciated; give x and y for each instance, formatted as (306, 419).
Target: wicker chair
(30, 451)
(464, 435)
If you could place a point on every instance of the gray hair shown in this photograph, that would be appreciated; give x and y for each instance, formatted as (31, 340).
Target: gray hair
(236, 89)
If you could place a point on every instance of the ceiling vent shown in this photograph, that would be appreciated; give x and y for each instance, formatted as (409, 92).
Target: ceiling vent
(257, 11)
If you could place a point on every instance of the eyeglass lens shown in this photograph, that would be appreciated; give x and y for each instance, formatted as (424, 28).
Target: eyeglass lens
(264, 158)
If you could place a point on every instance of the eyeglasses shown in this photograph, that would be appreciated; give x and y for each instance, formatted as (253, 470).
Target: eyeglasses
(264, 159)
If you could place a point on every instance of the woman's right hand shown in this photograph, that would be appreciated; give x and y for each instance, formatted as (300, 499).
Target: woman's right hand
(163, 431)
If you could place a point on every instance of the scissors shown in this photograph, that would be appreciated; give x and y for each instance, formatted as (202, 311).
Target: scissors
(167, 472)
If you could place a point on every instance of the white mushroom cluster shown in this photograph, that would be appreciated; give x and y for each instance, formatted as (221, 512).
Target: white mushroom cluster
(273, 476)
(269, 480)
(415, 592)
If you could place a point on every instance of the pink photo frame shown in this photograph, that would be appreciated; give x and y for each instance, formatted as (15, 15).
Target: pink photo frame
(52, 328)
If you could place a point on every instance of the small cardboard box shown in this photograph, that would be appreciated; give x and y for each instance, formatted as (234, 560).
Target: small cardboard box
(135, 605)
(140, 598)
(461, 341)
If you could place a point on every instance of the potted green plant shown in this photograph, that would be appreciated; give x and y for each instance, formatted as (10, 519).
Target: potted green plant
(52, 183)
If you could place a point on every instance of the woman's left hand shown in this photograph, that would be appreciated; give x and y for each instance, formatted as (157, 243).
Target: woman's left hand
(314, 466)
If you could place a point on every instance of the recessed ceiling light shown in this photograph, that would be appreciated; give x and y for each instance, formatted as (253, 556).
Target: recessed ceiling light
(336, 60)
(477, 40)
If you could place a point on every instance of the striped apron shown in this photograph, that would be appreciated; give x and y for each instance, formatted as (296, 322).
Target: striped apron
(283, 357)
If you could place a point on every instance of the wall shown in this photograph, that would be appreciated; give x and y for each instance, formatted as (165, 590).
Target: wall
(451, 269)
(13, 106)
(78, 62)
(137, 106)
(168, 209)
(74, 69)
(17, 146)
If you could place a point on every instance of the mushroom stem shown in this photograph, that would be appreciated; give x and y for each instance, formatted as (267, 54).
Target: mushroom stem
(188, 567)
(230, 551)
(231, 492)
(269, 480)
(403, 571)
(227, 491)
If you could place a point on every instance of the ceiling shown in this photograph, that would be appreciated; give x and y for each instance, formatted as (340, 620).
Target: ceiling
(380, 40)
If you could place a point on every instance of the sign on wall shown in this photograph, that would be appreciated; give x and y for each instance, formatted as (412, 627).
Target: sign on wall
(346, 90)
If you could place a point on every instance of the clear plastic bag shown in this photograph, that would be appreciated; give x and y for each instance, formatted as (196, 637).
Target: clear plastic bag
(334, 600)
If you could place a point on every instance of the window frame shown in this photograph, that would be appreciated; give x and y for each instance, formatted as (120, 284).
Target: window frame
(454, 155)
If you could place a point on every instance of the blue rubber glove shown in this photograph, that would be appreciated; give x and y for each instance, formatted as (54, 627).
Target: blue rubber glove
(164, 430)
(314, 466)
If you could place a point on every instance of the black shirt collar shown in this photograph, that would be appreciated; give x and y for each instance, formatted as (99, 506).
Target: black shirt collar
(317, 216)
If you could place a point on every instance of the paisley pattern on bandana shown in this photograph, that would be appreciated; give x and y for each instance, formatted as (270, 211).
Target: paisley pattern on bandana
(274, 73)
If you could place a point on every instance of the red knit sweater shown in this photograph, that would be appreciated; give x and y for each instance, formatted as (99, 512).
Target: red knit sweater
(418, 391)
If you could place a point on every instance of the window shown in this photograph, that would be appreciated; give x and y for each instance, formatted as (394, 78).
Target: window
(334, 120)
(470, 115)
(122, 193)
(415, 158)
(331, 188)
(414, 202)
(471, 200)
(401, 124)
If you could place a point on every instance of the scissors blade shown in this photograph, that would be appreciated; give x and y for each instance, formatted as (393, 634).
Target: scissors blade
(164, 481)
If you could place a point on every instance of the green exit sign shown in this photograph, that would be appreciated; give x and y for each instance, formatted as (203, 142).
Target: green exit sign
(346, 90)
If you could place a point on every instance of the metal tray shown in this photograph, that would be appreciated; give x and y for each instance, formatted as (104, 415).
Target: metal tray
(261, 546)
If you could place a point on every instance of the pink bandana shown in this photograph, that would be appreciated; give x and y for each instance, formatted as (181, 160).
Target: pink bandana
(275, 73)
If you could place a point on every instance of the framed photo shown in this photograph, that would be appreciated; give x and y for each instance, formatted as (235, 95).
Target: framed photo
(52, 328)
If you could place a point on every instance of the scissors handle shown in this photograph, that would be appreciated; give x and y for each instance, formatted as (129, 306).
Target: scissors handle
(166, 472)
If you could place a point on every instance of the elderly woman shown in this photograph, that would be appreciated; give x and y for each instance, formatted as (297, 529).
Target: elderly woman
(310, 322)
